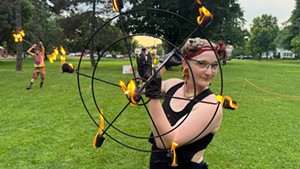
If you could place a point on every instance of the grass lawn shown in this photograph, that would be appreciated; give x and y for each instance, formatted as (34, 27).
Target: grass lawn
(49, 127)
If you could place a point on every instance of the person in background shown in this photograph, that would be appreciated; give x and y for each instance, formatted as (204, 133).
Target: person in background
(38, 62)
(193, 123)
(222, 54)
(144, 64)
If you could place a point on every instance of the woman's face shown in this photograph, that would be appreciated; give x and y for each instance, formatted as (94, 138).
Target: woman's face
(204, 67)
(36, 51)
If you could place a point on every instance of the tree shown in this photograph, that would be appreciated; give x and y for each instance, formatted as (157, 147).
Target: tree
(263, 32)
(8, 21)
(82, 21)
(289, 35)
(226, 25)
(284, 37)
(295, 43)
(18, 29)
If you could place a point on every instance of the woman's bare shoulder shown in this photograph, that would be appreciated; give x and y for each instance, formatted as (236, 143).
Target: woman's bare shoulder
(173, 81)
(167, 84)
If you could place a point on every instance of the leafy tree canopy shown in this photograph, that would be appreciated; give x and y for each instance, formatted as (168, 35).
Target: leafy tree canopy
(228, 20)
(263, 32)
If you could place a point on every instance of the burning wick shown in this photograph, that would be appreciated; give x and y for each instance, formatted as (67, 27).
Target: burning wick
(131, 91)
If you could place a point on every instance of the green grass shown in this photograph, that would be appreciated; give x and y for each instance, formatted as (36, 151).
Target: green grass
(49, 127)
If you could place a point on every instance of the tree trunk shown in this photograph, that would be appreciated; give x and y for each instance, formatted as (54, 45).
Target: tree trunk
(36, 23)
(260, 55)
(19, 46)
(93, 28)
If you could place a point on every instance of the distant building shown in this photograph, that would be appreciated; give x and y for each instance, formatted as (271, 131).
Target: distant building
(281, 53)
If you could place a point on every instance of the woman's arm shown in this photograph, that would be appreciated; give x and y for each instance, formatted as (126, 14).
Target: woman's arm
(189, 126)
(43, 48)
(29, 50)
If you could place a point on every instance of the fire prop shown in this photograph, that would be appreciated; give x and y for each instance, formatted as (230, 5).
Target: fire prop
(227, 102)
(67, 68)
(98, 140)
(205, 18)
(131, 91)
(18, 35)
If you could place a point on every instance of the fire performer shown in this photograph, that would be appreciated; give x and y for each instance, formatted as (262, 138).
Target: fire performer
(192, 123)
(144, 63)
(39, 65)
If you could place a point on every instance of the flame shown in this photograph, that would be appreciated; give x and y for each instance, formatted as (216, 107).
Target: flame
(205, 17)
(62, 50)
(22, 33)
(101, 125)
(62, 59)
(220, 98)
(18, 37)
(98, 139)
(63, 56)
(123, 86)
(173, 151)
(53, 55)
(117, 4)
(129, 90)
(227, 102)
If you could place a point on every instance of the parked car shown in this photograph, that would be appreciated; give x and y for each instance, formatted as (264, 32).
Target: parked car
(108, 56)
(120, 56)
(71, 54)
(88, 55)
(239, 57)
(79, 54)
(248, 57)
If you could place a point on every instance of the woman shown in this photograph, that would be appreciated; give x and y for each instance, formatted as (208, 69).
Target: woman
(190, 118)
(39, 65)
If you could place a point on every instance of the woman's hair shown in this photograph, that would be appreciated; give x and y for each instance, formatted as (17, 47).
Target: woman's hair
(196, 46)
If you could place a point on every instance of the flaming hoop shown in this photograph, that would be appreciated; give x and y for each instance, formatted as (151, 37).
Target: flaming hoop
(102, 90)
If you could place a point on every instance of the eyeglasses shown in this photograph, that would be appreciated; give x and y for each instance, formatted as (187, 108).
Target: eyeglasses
(205, 65)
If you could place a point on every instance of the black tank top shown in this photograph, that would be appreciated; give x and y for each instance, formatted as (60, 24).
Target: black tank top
(186, 152)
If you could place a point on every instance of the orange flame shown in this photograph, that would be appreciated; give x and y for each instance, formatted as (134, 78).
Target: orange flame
(98, 139)
(129, 90)
(227, 102)
(101, 125)
(117, 4)
(173, 150)
(205, 17)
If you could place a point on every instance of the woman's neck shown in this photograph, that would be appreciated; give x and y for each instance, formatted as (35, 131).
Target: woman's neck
(188, 89)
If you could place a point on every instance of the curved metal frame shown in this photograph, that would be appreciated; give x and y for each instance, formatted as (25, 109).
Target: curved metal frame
(125, 37)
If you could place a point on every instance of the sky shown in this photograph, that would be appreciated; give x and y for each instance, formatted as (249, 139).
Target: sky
(147, 41)
(281, 9)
